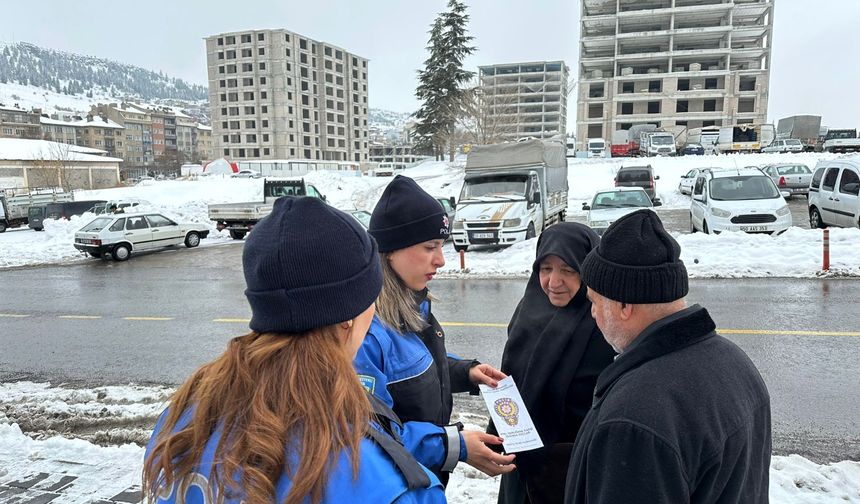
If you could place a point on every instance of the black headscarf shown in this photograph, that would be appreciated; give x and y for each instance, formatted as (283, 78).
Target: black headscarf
(546, 343)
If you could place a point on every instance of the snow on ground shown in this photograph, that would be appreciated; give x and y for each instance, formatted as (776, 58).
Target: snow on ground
(796, 253)
(104, 469)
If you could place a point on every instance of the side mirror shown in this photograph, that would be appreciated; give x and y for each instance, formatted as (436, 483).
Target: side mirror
(699, 197)
(657, 202)
(585, 206)
(453, 202)
(656, 177)
(785, 194)
(536, 198)
(324, 197)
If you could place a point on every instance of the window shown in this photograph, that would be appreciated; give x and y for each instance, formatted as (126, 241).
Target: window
(261, 51)
(595, 131)
(136, 223)
(711, 83)
(265, 123)
(231, 54)
(262, 81)
(682, 106)
(250, 124)
(266, 151)
(830, 179)
(220, 40)
(265, 137)
(746, 105)
(654, 107)
(220, 55)
(287, 37)
(626, 87)
(246, 38)
(264, 109)
(594, 90)
(683, 84)
(247, 53)
(849, 183)
(303, 58)
(249, 95)
(595, 111)
(263, 95)
(249, 110)
(248, 81)
(303, 44)
(251, 138)
(221, 69)
(747, 83)
(655, 86)
(159, 221)
(700, 185)
(247, 67)
(816, 178)
(262, 66)
(120, 223)
(260, 37)
(709, 106)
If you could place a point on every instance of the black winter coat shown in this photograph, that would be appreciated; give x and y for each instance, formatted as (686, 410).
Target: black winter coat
(681, 416)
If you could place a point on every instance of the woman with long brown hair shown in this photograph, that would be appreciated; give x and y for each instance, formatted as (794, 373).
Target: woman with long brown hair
(281, 416)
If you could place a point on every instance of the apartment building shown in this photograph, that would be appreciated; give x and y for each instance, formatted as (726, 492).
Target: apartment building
(526, 99)
(59, 131)
(100, 133)
(672, 63)
(137, 151)
(204, 149)
(276, 94)
(19, 123)
(400, 156)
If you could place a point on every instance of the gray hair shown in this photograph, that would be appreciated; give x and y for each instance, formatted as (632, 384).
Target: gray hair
(396, 305)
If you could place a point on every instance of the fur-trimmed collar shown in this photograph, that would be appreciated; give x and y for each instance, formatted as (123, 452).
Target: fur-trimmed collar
(667, 335)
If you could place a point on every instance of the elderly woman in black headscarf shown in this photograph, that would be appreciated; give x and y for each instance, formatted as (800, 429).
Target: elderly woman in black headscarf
(554, 353)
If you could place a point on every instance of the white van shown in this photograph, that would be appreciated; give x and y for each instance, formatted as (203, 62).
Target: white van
(596, 147)
(743, 199)
(834, 194)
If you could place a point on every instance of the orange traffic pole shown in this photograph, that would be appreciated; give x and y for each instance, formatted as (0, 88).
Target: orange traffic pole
(826, 260)
(462, 259)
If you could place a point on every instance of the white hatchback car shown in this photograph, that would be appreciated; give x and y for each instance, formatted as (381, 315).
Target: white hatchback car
(743, 199)
(117, 236)
(609, 205)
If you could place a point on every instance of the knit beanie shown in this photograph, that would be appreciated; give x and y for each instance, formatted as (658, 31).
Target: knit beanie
(637, 262)
(308, 265)
(406, 215)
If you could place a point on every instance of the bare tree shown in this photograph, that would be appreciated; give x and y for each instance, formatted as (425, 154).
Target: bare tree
(487, 117)
(52, 167)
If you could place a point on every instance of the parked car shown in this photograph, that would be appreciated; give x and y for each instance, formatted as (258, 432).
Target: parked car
(742, 199)
(36, 215)
(247, 173)
(609, 205)
(117, 236)
(117, 206)
(638, 176)
(362, 216)
(834, 194)
(791, 177)
(693, 149)
(685, 186)
(787, 145)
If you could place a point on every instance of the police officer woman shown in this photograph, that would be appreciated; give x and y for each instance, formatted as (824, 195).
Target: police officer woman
(403, 359)
(280, 416)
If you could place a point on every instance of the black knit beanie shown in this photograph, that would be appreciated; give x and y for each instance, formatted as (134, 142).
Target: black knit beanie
(406, 215)
(637, 262)
(308, 265)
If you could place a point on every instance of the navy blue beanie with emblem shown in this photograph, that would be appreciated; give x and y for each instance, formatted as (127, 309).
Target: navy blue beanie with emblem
(636, 262)
(406, 215)
(308, 265)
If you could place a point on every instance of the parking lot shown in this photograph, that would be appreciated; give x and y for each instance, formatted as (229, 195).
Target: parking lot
(678, 219)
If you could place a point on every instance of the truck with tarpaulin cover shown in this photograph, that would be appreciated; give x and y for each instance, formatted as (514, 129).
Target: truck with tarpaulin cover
(511, 192)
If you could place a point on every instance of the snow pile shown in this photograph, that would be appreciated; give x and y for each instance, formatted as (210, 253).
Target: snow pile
(101, 472)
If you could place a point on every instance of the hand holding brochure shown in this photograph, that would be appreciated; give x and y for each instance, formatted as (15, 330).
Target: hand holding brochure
(510, 416)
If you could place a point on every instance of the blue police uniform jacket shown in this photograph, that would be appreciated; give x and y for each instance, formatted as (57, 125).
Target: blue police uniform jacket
(379, 479)
(413, 374)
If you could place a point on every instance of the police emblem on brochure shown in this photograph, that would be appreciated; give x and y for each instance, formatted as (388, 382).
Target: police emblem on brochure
(510, 416)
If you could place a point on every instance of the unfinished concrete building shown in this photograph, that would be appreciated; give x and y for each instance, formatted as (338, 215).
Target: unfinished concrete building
(525, 99)
(690, 63)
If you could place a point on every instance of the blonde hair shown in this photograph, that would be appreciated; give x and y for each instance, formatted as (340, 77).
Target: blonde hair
(270, 394)
(396, 305)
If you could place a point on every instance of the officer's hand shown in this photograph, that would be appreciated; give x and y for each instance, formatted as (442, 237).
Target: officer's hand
(486, 374)
(484, 459)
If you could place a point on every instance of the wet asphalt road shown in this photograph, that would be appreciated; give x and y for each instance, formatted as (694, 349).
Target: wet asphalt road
(157, 317)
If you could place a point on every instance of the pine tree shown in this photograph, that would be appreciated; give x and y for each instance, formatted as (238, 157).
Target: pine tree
(441, 80)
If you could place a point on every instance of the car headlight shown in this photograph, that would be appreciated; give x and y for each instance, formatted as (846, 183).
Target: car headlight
(512, 222)
(458, 224)
(719, 212)
(600, 223)
(783, 211)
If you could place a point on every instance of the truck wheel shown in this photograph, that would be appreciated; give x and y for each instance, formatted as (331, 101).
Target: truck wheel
(237, 235)
(192, 239)
(38, 229)
(121, 253)
(530, 232)
(461, 248)
(2, 227)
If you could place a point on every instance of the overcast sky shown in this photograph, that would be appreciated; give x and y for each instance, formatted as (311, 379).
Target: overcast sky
(815, 66)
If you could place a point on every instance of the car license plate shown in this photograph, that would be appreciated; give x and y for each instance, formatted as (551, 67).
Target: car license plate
(753, 228)
(482, 236)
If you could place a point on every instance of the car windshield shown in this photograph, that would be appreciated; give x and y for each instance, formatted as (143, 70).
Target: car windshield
(743, 187)
(793, 142)
(495, 186)
(97, 224)
(794, 170)
(662, 140)
(620, 199)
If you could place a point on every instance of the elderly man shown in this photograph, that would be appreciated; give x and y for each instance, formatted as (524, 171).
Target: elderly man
(681, 415)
